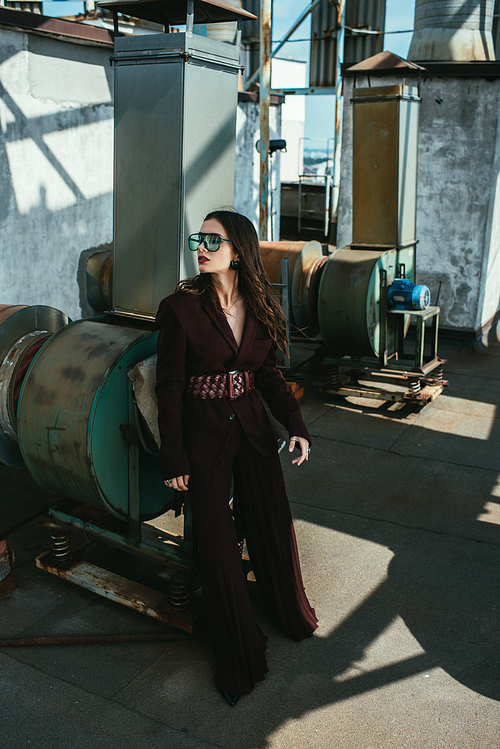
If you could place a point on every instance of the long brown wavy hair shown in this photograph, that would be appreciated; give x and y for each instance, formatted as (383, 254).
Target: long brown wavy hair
(253, 284)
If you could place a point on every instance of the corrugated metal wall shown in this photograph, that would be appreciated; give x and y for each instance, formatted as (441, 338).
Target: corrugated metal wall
(360, 15)
(323, 45)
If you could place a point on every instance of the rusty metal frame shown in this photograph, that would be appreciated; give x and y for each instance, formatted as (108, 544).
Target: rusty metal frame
(176, 11)
(347, 383)
(165, 547)
(421, 317)
(422, 377)
(174, 552)
(69, 31)
(114, 587)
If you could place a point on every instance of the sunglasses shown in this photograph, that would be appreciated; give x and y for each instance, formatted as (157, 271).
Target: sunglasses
(211, 242)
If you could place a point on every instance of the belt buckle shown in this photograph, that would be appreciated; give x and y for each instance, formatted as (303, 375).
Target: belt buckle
(230, 384)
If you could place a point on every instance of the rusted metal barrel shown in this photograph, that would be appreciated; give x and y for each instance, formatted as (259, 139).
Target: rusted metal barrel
(6, 310)
(272, 253)
(305, 263)
(76, 420)
(99, 272)
(23, 332)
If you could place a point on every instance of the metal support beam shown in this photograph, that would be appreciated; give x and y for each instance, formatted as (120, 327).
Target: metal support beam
(308, 9)
(323, 91)
(340, 34)
(190, 18)
(238, 33)
(264, 100)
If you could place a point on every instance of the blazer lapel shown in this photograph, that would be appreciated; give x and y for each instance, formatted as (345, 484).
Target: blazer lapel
(249, 332)
(222, 326)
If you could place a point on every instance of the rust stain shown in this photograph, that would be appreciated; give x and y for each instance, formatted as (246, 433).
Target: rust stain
(73, 374)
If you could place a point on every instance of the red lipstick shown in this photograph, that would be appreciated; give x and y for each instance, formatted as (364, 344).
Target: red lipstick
(202, 259)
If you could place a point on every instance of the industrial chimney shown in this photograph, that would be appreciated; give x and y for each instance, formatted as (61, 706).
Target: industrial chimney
(453, 30)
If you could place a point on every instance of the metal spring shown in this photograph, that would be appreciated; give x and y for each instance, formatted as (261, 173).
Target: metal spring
(334, 378)
(438, 374)
(180, 596)
(60, 545)
(414, 386)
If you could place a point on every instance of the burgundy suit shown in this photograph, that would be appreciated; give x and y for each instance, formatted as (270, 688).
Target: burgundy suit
(194, 340)
(215, 441)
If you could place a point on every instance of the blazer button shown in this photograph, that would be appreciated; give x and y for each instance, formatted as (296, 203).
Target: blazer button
(231, 417)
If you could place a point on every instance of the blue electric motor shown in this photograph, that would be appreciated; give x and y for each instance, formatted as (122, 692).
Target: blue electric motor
(404, 294)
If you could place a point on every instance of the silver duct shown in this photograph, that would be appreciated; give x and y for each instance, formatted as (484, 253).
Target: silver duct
(453, 30)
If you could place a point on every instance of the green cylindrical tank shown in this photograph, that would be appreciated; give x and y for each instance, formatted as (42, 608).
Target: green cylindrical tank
(76, 418)
(349, 303)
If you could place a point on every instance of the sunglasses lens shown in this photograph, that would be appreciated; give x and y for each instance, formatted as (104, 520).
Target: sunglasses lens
(212, 242)
(194, 242)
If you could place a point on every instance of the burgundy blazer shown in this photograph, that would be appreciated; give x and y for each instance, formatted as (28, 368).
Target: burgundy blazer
(195, 340)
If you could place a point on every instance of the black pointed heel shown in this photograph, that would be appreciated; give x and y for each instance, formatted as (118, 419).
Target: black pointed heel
(231, 698)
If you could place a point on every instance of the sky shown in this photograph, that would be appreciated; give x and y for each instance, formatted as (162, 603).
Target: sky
(62, 8)
(319, 109)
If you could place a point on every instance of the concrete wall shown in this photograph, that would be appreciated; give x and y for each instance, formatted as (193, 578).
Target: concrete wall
(56, 165)
(247, 178)
(458, 200)
(291, 74)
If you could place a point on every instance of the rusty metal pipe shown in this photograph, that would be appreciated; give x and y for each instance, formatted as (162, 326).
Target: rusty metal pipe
(264, 101)
(23, 331)
(6, 310)
(305, 261)
(337, 148)
(307, 10)
(272, 253)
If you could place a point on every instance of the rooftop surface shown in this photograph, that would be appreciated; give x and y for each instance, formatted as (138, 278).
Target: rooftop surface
(398, 522)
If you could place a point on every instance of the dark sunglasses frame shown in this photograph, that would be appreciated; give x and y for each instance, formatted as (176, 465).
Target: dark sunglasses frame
(209, 241)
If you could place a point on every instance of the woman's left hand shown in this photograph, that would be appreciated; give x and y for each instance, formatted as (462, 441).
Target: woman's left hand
(304, 449)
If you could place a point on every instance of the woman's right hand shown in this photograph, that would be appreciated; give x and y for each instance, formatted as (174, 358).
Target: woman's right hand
(179, 483)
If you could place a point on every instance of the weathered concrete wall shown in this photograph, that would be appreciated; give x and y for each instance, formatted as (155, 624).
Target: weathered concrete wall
(291, 74)
(56, 165)
(246, 184)
(458, 205)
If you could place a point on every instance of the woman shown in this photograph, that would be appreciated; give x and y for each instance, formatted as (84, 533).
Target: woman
(217, 345)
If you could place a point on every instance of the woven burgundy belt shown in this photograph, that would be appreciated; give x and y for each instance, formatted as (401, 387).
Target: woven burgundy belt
(230, 385)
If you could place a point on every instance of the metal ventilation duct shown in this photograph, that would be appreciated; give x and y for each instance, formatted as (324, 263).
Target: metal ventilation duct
(175, 132)
(453, 30)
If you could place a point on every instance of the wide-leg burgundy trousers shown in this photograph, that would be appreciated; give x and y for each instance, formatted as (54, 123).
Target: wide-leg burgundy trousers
(259, 490)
